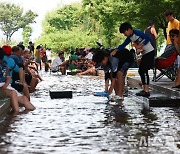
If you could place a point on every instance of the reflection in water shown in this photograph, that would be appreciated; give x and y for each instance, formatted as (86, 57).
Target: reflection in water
(87, 124)
(117, 114)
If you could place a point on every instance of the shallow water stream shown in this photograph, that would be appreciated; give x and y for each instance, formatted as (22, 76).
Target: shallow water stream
(87, 124)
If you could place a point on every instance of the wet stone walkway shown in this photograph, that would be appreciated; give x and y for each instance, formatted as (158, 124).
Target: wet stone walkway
(87, 124)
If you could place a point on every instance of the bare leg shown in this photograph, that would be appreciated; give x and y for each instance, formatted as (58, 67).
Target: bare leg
(146, 88)
(46, 67)
(116, 87)
(23, 100)
(40, 65)
(26, 91)
(177, 81)
(39, 77)
(62, 67)
(63, 70)
(78, 71)
(33, 84)
(21, 75)
(14, 99)
(91, 71)
(120, 83)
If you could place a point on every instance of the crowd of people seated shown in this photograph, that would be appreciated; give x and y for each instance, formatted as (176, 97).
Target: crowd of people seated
(79, 62)
(18, 75)
(19, 68)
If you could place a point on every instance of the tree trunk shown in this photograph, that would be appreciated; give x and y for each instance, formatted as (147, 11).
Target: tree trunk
(162, 24)
(7, 39)
(164, 32)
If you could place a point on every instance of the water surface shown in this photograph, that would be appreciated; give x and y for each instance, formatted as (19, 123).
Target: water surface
(87, 124)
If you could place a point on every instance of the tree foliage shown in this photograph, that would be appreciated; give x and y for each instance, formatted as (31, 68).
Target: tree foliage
(68, 28)
(12, 18)
(68, 40)
(65, 18)
(27, 32)
(75, 25)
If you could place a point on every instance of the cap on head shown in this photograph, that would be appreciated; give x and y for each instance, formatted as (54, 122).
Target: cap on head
(7, 49)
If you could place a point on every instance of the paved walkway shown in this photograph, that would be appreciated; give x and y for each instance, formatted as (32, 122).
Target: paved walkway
(164, 85)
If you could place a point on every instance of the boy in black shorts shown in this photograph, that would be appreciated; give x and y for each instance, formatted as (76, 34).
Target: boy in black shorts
(115, 69)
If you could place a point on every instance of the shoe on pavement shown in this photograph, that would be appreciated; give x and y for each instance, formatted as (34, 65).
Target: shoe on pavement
(143, 93)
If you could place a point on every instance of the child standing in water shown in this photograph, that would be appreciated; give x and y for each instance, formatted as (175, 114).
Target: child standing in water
(115, 69)
(147, 60)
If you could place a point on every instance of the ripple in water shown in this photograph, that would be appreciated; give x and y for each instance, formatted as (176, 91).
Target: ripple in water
(86, 124)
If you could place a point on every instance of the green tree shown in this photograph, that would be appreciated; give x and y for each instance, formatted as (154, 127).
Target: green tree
(27, 32)
(95, 19)
(109, 13)
(12, 19)
(64, 18)
(68, 40)
(69, 27)
(154, 10)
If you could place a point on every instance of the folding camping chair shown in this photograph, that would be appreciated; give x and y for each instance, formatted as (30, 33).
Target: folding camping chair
(166, 64)
(170, 72)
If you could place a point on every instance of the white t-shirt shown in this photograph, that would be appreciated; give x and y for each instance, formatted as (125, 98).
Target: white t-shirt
(56, 62)
(89, 56)
(49, 55)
